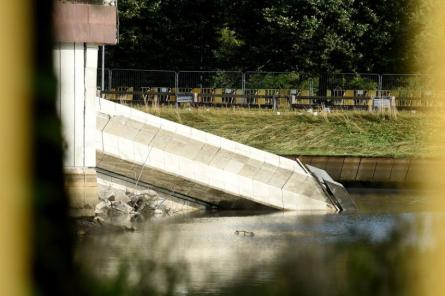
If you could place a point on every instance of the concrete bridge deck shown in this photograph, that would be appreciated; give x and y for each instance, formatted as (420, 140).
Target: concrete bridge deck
(201, 165)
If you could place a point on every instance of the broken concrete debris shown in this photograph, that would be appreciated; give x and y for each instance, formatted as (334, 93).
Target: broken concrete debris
(124, 208)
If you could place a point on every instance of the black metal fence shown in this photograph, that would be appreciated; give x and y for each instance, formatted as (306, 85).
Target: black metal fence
(210, 79)
(94, 2)
(268, 89)
(349, 84)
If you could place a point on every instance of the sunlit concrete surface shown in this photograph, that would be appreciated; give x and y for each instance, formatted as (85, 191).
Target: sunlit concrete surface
(79, 29)
(75, 65)
(200, 165)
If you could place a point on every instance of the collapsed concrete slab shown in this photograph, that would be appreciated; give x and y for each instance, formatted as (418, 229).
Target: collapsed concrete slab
(200, 165)
(336, 191)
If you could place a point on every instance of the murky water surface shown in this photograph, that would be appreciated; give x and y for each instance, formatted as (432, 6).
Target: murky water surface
(208, 254)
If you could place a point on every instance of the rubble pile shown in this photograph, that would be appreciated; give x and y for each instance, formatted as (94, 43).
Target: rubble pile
(118, 207)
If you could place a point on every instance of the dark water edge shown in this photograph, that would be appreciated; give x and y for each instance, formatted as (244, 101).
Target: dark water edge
(310, 253)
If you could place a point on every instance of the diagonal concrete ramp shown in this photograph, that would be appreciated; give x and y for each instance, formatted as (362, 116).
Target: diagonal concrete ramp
(200, 165)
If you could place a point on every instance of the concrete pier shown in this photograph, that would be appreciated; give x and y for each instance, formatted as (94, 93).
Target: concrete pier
(200, 165)
(79, 30)
(76, 68)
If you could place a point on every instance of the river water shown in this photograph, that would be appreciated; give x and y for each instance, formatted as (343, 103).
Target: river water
(201, 253)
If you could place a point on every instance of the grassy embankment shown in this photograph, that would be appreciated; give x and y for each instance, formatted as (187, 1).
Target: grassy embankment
(302, 133)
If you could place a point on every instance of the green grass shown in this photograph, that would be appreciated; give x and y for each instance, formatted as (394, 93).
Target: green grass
(301, 133)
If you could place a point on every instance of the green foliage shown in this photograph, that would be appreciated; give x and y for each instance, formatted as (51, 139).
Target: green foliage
(274, 80)
(309, 36)
(169, 34)
(359, 82)
(228, 45)
(429, 34)
(410, 86)
(227, 80)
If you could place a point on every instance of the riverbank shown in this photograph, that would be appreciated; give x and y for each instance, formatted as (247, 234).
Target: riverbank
(347, 133)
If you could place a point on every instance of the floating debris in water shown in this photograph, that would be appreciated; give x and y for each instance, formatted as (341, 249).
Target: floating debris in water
(245, 233)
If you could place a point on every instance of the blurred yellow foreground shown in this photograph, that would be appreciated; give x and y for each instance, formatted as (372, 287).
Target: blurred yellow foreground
(16, 50)
(431, 43)
(15, 146)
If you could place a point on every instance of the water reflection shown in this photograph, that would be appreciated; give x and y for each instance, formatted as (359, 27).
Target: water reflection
(216, 258)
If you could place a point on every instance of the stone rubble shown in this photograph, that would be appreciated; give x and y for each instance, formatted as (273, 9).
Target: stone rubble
(119, 208)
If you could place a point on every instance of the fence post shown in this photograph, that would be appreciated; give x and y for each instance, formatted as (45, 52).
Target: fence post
(176, 88)
(176, 83)
(380, 83)
(110, 77)
(311, 87)
(243, 82)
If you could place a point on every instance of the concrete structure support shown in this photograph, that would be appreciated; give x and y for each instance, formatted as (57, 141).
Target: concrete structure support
(79, 30)
(200, 165)
(76, 69)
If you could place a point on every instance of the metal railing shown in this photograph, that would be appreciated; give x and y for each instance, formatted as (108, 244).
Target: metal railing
(93, 2)
(406, 85)
(412, 90)
(210, 79)
(349, 84)
(269, 89)
(281, 80)
(107, 79)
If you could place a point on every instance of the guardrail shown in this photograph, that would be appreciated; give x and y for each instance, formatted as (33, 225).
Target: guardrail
(269, 89)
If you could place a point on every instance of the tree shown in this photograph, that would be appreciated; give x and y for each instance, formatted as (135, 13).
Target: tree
(311, 36)
(169, 34)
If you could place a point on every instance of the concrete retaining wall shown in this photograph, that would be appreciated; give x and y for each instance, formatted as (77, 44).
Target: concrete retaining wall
(370, 170)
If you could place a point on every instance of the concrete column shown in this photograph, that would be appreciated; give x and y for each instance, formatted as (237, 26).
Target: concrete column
(76, 69)
(90, 104)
